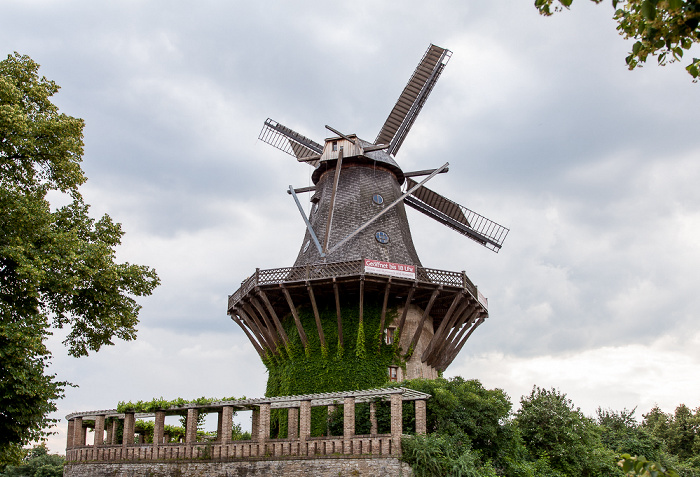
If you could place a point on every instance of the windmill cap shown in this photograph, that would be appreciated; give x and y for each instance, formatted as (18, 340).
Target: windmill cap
(378, 158)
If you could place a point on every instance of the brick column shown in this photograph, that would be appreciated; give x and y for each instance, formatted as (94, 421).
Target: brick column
(158, 428)
(254, 428)
(373, 418)
(225, 425)
(292, 423)
(264, 423)
(113, 431)
(396, 422)
(78, 432)
(128, 434)
(99, 430)
(421, 424)
(305, 420)
(349, 417)
(191, 426)
(70, 432)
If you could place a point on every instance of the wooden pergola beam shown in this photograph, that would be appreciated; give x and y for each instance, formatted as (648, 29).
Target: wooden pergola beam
(297, 321)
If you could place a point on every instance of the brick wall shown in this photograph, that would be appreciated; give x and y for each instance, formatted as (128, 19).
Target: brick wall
(324, 467)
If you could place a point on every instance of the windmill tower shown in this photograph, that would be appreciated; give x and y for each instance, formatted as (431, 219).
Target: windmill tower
(358, 301)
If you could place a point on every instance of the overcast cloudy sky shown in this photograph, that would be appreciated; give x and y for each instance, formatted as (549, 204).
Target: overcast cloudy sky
(594, 168)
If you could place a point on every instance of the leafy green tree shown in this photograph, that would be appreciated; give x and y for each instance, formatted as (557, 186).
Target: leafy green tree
(620, 432)
(57, 265)
(37, 463)
(553, 428)
(661, 28)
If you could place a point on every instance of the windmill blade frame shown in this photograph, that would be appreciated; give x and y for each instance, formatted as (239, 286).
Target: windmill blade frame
(459, 218)
(290, 141)
(412, 98)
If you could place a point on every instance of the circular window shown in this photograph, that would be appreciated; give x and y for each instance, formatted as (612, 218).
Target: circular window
(378, 199)
(306, 246)
(381, 237)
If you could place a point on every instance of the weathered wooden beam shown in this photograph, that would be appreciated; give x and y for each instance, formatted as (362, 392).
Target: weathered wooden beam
(321, 336)
(337, 310)
(297, 321)
(269, 340)
(255, 327)
(449, 349)
(247, 333)
(268, 323)
(456, 351)
(402, 321)
(329, 221)
(362, 298)
(383, 316)
(451, 329)
(438, 333)
(419, 330)
(273, 314)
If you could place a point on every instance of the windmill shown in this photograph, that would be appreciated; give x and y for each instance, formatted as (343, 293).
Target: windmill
(358, 243)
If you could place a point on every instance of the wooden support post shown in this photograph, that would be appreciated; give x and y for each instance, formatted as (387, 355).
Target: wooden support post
(452, 344)
(297, 322)
(275, 318)
(268, 323)
(247, 333)
(253, 326)
(321, 336)
(446, 319)
(337, 310)
(419, 330)
(159, 428)
(264, 331)
(128, 432)
(99, 430)
(382, 319)
(461, 344)
(191, 426)
(402, 321)
(466, 312)
(362, 297)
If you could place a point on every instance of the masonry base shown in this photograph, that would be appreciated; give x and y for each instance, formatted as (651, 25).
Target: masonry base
(316, 467)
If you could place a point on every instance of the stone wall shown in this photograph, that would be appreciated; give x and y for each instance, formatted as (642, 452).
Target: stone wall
(316, 467)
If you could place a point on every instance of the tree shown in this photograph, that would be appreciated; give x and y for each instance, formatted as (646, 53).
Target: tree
(662, 28)
(57, 265)
(37, 463)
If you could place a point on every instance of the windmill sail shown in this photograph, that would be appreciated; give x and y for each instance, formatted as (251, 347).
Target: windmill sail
(289, 141)
(412, 98)
(467, 222)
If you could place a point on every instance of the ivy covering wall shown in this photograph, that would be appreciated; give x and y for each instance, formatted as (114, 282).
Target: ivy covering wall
(361, 363)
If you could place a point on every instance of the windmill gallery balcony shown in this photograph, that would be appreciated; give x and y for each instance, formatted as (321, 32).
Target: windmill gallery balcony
(107, 447)
(446, 306)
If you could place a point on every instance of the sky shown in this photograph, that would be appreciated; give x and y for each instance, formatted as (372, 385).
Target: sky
(594, 169)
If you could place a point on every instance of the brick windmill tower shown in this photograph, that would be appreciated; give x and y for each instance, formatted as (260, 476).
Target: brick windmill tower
(358, 308)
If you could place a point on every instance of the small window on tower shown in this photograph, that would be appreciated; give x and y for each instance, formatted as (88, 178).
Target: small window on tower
(335, 145)
(393, 373)
(378, 199)
(306, 246)
(389, 335)
(382, 237)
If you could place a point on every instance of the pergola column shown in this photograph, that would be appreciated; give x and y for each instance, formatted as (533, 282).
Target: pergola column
(421, 426)
(331, 410)
(396, 422)
(255, 421)
(70, 432)
(373, 418)
(99, 430)
(349, 417)
(128, 434)
(191, 426)
(159, 428)
(225, 425)
(78, 432)
(264, 423)
(292, 423)
(113, 431)
(305, 420)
